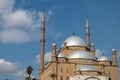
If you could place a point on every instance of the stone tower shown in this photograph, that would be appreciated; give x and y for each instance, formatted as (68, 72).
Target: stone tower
(93, 49)
(42, 42)
(53, 57)
(114, 59)
(87, 33)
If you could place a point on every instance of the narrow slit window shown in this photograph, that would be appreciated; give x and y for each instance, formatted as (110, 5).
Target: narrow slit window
(67, 70)
(61, 70)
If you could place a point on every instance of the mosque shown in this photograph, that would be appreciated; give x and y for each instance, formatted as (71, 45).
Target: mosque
(76, 60)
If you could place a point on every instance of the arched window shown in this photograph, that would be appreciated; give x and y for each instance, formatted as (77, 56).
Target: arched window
(61, 70)
(67, 70)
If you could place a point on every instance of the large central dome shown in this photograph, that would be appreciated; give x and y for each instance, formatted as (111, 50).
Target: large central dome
(74, 41)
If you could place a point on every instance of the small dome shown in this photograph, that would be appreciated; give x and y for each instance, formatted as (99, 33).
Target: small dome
(53, 44)
(74, 41)
(61, 55)
(113, 49)
(81, 54)
(87, 68)
(103, 58)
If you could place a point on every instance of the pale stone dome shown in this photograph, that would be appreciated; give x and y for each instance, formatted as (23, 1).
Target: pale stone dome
(74, 41)
(61, 55)
(87, 68)
(103, 58)
(81, 54)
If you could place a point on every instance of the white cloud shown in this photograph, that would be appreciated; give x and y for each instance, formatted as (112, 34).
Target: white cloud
(6, 6)
(20, 75)
(17, 18)
(7, 67)
(19, 26)
(38, 59)
(47, 57)
(18, 36)
(26, 2)
(14, 36)
(99, 53)
(50, 12)
(57, 36)
(29, 20)
(118, 53)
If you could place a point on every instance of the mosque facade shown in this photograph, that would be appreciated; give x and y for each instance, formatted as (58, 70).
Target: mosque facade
(76, 60)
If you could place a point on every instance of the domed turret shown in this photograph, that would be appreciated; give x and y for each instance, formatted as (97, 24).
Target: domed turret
(103, 58)
(74, 41)
(61, 55)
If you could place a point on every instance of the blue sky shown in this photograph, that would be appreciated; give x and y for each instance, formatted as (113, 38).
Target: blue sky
(20, 30)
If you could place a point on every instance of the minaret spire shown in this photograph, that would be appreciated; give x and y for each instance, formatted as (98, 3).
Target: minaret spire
(87, 33)
(42, 42)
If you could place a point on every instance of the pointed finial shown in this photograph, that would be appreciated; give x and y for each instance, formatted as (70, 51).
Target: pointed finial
(93, 47)
(73, 33)
(54, 43)
(113, 49)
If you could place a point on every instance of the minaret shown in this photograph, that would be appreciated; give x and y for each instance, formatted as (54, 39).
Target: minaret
(54, 60)
(114, 59)
(42, 42)
(53, 57)
(93, 49)
(87, 33)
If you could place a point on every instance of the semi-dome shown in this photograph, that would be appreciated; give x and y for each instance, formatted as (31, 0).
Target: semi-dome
(74, 41)
(87, 68)
(81, 54)
(61, 55)
(103, 58)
